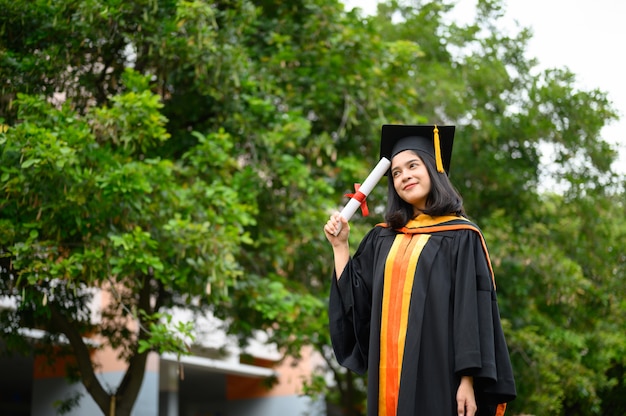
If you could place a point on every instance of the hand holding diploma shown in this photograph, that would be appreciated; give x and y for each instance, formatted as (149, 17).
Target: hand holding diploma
(358, 198)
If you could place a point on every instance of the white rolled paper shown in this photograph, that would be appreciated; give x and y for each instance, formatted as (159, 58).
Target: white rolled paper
(372, 179)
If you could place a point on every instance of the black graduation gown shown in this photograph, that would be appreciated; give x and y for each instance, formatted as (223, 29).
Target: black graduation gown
(452, 325)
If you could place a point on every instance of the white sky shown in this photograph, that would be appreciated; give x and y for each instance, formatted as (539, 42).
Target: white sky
(586, 36)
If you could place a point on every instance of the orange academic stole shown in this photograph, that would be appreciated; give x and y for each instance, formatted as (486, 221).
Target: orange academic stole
(398, 285)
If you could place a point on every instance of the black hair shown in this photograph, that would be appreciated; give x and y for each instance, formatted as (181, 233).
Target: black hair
(443, 198)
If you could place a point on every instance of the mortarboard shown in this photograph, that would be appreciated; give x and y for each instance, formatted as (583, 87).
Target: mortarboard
(432, 139)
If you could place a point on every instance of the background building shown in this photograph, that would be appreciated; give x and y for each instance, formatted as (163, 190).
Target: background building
(217, 379)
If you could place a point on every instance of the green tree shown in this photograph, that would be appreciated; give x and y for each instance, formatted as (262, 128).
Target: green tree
(164, 212)
(512, 111)
(83, 208)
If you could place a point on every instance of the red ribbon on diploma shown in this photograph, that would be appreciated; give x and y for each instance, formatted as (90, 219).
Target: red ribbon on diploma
(360, 196)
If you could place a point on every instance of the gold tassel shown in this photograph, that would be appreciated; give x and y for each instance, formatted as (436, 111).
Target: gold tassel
(438, 151)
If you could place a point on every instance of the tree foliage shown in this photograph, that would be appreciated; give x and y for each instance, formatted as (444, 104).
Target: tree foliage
(186, 153)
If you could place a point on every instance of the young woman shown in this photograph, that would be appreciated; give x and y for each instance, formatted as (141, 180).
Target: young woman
(416, 305)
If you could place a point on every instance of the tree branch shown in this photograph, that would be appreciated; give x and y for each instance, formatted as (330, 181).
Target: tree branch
(83, 358)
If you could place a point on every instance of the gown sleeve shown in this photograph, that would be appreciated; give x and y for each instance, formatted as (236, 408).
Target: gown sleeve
(350, 305)
(479, 343)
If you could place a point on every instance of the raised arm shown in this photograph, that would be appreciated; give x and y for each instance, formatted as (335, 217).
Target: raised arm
(339, 242)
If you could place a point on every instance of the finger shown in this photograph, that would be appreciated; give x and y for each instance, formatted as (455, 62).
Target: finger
(331, 227)
(460, 407)
(466, 408)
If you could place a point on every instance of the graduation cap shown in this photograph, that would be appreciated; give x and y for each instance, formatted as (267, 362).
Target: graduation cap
(432, 139)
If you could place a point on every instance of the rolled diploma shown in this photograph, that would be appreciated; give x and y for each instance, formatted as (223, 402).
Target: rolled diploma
(372, 179)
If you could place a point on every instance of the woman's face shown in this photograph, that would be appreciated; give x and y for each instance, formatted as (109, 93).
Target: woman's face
(411, 179)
